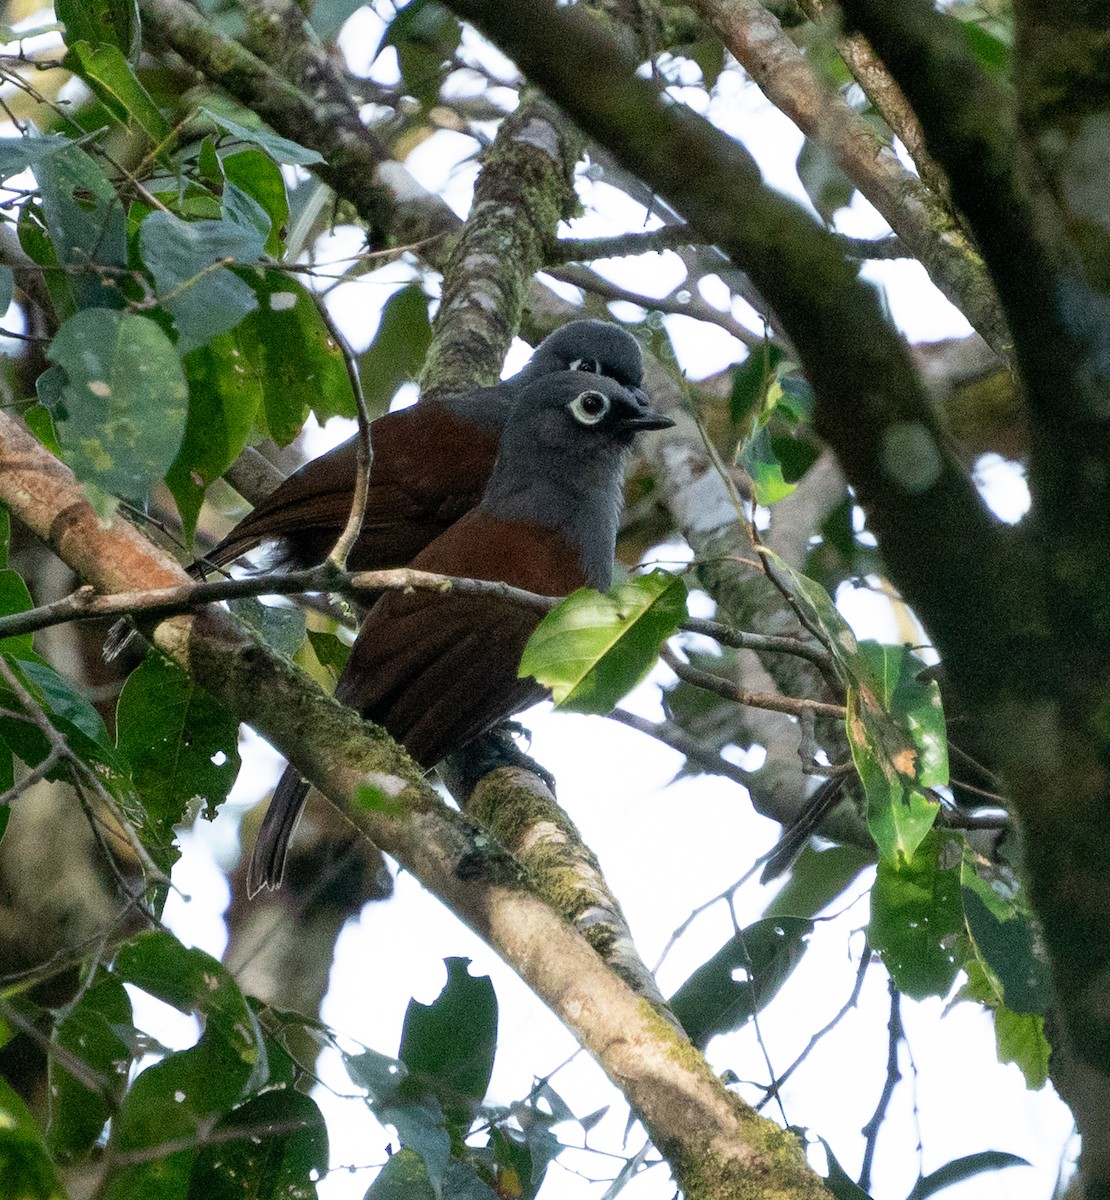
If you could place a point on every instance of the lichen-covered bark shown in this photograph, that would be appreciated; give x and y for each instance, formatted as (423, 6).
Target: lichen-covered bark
(526, 187)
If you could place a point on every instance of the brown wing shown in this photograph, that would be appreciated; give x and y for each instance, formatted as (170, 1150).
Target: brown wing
(437, 670)
(429, 469)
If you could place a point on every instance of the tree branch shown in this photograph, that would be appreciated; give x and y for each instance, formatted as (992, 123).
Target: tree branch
(916, 214)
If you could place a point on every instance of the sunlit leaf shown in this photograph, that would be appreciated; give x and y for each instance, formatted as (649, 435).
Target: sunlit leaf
(180, 744)
(112, 23)
(594, 648)
(899, 745)
(113, 81)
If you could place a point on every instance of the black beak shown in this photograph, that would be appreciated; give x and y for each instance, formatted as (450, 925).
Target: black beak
(646, 420)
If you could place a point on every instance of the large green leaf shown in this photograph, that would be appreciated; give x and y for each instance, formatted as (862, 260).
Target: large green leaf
(1019, 1037)
(204, 298)
(899, 745)
(741, 978)
(594, 648)
(281, 1150)
(113, 81)
(180, 744)
(448, 1045)
(26, 1170)
(175, 1101)
(120, 414)
(296, 360)
(425, 35)
(86, 222)
(916, 919)
(279, 148)
(224, 397)
(18, 153)
(258, 176)
(397, 353)
(97, 1030)
(101, 23)
(1000, 924)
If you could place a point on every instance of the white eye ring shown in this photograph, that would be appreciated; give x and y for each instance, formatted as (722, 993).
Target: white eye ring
(585, 364)
(588, 408)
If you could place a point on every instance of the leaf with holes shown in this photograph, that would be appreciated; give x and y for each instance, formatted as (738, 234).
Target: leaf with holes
(120, 413)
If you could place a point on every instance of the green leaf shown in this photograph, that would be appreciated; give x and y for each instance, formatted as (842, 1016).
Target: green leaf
(179, 1098)
(963, 1168)
(817, 878)
(331, 651)
(5, 534)
(113, 81)
(203, 298)
(899, 745)
(86, 222)
(329, 16)
(1002, 934)
(426, 36)
(26, 1171)
(915, 919)
(757, 457)
(101, 23)
(92, 1032)
(397, 353)
(122, 409)
(741, 978)
(282, 1149)
(594, 648)
(18, 153)
(404, 1177)
(448, 1045)
(287, 346)
(224, 396)
(181, 746)
(280, 626)
(7, 288)
(1019, 1038)
(750, 382)
(256, 174)
(14, 598)
(279, 148)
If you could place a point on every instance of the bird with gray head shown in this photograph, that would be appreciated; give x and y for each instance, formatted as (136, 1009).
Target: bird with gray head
(431, 463)
(437, 670)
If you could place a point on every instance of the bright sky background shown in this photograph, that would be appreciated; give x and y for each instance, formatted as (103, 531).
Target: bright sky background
(666, 847)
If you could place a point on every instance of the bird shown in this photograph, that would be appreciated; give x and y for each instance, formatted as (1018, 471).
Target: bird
(430, 465)
(437, 670)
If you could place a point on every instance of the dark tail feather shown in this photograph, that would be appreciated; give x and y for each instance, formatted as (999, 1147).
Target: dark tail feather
(267, 865)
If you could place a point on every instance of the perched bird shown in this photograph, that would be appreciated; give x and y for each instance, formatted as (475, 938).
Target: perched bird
(431, 464)
(438, 670)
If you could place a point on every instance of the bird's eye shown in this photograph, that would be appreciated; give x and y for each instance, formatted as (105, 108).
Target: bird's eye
(589, 407)
(585, 364)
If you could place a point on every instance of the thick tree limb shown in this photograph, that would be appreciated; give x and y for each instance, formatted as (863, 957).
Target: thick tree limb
(916, 214)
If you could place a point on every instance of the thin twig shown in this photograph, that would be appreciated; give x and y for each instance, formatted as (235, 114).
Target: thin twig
(729, 691)
(861, 971)
(698, 753)
(893, 1075)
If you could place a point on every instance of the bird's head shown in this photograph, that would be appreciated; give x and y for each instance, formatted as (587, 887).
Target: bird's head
(594, 348)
